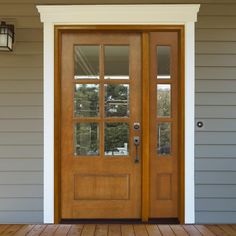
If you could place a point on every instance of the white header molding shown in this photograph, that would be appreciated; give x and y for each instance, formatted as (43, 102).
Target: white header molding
(185, 14)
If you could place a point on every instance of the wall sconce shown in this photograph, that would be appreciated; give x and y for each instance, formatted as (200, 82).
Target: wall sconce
(6, 36)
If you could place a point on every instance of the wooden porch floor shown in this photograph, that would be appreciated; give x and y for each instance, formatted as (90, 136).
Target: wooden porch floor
(117, 230)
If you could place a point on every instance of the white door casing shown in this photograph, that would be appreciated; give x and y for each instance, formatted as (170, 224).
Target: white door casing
(155, 14)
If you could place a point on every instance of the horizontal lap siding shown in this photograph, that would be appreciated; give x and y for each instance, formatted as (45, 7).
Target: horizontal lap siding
(21, 118)
(215, 149)
(21, 111)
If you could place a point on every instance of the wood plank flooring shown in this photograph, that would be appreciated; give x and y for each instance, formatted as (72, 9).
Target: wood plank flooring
(117, 230)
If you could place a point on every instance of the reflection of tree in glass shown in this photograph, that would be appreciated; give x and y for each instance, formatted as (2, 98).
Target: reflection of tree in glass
(163, 105)
(87, 139)
(86, 100)
(116, 100)
(116, 135)
(164, 138)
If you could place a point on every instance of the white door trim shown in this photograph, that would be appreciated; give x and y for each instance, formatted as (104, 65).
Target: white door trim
(181, 14)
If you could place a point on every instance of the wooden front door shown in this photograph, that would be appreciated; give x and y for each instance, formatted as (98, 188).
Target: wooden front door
(100, 109)
(109, 80)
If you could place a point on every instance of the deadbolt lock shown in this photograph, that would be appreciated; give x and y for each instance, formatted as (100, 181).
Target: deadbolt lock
(136, 126)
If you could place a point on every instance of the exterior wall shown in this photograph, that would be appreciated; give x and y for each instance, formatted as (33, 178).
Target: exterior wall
(21, 112)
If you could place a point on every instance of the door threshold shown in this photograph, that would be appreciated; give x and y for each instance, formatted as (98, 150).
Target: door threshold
(120, 221)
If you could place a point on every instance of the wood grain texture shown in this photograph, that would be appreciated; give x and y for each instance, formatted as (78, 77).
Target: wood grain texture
(204, 230)
(145, 127)
(80, 194)
(164, 171)
(153, 230)
(216, 230)
(75, 230)
(191, 230)
(116, 230)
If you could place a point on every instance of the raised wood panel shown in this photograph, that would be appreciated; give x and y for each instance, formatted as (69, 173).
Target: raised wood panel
(216, 73)
(216, 86)
(222, 34)
(221, 217)
(15, 61)
(216, 204)
(27, 217)
(215, 177)
(21, 191)
(211, 164)
(217, 99)
(217, 9)
(217, 125)
(29, 35)
(22, 112)
(216, 47)
(21, 204)
(21, 164)
(217, 22)
(215, 138)
(164, 186)
(21, 138)
(21, 86)
(28, 48)
(26, 125)
(227, 112)
(215, 151)
(29, 177)
(102, 187)
(21, 74)
(21, 99)
(216, 60)
(215, 191)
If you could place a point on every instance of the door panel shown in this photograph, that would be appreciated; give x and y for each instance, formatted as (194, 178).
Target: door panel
(100, 125)
(164, 197)
(100, 102)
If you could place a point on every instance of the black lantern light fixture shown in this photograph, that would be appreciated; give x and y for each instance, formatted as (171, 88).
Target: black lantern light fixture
(6, 36)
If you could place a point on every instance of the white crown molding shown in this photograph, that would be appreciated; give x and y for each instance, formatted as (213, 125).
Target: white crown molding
(119, 14)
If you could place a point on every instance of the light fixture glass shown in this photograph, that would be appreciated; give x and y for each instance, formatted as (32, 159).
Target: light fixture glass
(6, 36)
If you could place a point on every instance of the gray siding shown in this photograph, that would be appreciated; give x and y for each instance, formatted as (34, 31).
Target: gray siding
(21, 111)
(215, 152)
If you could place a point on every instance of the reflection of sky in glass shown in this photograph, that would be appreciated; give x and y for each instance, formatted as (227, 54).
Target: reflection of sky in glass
(163, 86)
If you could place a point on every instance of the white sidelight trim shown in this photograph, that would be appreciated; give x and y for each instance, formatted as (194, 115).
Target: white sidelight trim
(179, 14)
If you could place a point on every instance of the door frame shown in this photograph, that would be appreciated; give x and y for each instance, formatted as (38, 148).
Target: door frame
(58, 18)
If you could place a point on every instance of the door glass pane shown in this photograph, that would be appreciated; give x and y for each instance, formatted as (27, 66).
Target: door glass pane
(163, 62)
(117, 139)
(164, 138)
(86, 138)
(116, 62)
(86, 61)
(117, 100)
(163, 100)
(86, 100)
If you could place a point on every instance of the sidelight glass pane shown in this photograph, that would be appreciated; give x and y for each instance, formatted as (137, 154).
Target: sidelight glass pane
(86, 138)
(117, 100)
(163, 100)
(116, 139)
(86, 100)
(163, 62)
(164, 138)
(116, 62)
(86, 62)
